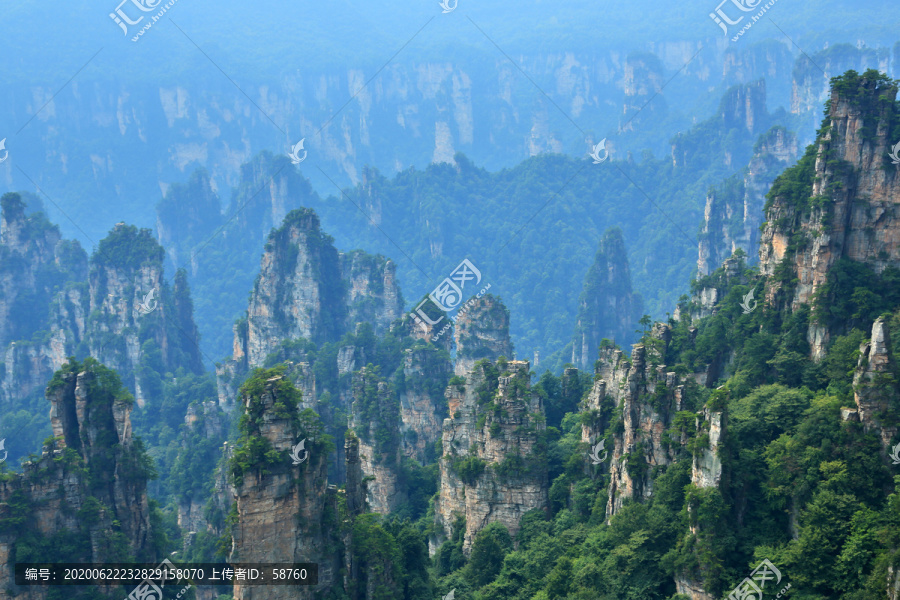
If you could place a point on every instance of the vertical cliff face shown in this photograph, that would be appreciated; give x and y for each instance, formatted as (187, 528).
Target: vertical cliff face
(482, 331)
(124, 311)
(307, 289)
(608, 308)
(646, 394)
(423, 407)
(89, 486)
(742, 113)
(839, 202)
(643, 79)
(809, 87)
(494, 465)
(734, 210)
(286, 512)
(375, 417)
(34, 259)
(298, 292)
(875, 388)
(373, 293)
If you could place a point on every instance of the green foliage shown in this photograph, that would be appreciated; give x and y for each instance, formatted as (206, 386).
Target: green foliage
(488, 550)
(468, 468)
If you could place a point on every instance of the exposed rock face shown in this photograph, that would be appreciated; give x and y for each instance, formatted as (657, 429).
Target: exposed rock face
(692, 589)
(493, 469)
(608, 308)
(640, 446)
(875, 384)
(706, 470)
(852, 209)
(482, 331)
(743, 113)
(375, 416)
(125, 305)
(33, 260)
(208, 420)
(423, 407)
(373, 293)
(734, 210)
(307, 289)
(809, 86)
(643, 79)
(92, 467)
(282, 508)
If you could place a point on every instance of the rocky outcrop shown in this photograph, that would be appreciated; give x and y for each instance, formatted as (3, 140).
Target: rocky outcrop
(34, 259)
(423, 407)
(494, 465)
(283, 509)
(373, 293)
(124, 310)
(307, 289)
(840, 202)
(809, 85)
(607, 308)
(482, 331)
(734, 209)
(706, 469)
(90, 483)
(375, 417)
(646, 393)
(875, 383)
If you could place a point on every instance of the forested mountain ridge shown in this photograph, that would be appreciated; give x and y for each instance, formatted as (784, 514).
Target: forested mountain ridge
(429, 220)
(724, 439)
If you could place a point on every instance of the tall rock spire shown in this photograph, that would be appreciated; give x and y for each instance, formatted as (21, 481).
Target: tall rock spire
(608, 308)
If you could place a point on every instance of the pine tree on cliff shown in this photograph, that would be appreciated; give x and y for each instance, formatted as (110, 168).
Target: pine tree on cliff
(607, 308)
